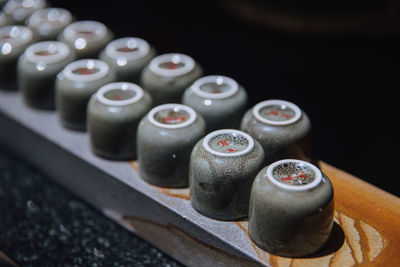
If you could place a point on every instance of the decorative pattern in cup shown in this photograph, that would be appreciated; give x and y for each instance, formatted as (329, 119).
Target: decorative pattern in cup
(219, 99)
(281, 127)
(166, 137)
(128, 56)
(291, 208)
(78, 81)
(17, 11)
(47, 23)
(87, 38)
(223, 166)
(114, 113)
(167, 76)
(38, 67)
(13, 42)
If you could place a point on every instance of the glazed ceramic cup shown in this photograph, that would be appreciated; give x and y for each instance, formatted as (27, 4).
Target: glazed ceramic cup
(219, 99)
(167, 77)
(291, 208)
(3, 19)
(38, 67)
(281, 127)
(75, 85)
(128, 56)
(87, 38)
(166, 137)
(17, 11)
(223, 166)
(114, 113)
(47, 23)
(13, 42)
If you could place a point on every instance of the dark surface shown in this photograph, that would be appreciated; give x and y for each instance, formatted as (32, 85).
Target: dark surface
(41, 224)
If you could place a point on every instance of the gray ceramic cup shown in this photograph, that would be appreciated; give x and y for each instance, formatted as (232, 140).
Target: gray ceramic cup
(87, 38)
(128, 56)
(166, 137)
(3, 19)
(281, 127)
(13, 42)
(167, 76)
(219, 99)
(78, 81)
(18, 11)
(114, 113)
(47, 23)
(38, 67)
(291, 208)
(223, 166)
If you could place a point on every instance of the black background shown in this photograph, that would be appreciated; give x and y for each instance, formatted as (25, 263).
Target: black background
(347, 84)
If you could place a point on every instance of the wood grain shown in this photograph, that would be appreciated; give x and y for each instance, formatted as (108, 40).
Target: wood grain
(366, 230)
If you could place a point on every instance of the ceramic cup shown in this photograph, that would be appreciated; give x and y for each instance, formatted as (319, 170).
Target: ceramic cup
(166, 137)
(38, 67)
(291, 208)
(13, 42)
(219, 99)
(17, 11)
(78, 81)
(114, 113)
(47, 23)
(168, 75)
(87, 38)
(223, 166)
(3, 19)
(128, 56)
(281, 127)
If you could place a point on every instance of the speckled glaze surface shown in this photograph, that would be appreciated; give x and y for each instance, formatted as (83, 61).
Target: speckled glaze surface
(74, 87)
(286, 135)
(223, 166)
(87, 38)
(13, 42)
(38, 67)
(128, 56)
(18, 11)
(114, 113)
(47, 23)
(165, 141)
(220, 100)
(168, 76)
(291, 208)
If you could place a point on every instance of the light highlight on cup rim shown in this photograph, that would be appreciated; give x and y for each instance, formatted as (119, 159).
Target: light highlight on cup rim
(175, 58)
(131, 42)
(20, 35)
(189, 110)
(211, 135)
(257, 108)
(54, 14)
(62, 52)
(313, 184)
(71, 32)
(86, 63)
(119, 85)
(233, 86)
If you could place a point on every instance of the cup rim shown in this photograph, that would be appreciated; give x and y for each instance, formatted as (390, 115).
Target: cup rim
(104, 69)
(119, 85)
(11, 6)
(97, 27)
(188, 61)
(143, 48)
(313, 184)
(62, 52)
(297, 111)
(64, 18)
(233, 86)
(189, 110)
(211, 135)
(24, 37)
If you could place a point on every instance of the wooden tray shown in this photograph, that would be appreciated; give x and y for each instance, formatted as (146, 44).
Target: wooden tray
(367, 219)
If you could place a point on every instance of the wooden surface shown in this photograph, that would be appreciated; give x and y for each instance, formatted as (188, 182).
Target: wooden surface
(366, 230)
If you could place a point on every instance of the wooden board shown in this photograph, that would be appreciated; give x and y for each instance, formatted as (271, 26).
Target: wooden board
(367, 219)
